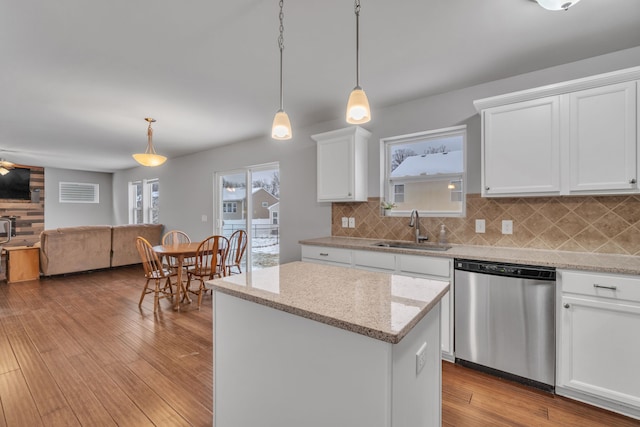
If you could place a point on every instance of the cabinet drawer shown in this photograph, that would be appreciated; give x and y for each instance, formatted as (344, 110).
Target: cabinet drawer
(429, 266)
(601, 285)
(374, 260)
(323, 253)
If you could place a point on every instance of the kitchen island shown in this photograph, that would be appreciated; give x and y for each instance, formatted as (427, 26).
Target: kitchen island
(316, 345)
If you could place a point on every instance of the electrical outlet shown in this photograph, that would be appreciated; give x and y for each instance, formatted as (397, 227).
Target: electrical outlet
(507, 226)
(345, 222)
(421, 358)
(352, 222)
(204, 218)
(480, 226)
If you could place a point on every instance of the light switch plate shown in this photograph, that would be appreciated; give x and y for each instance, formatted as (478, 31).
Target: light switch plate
(345, 222)
(352, 222)
(480, 226)
(507, 226)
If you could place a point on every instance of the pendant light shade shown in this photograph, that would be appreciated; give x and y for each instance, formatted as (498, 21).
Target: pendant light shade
(358, 110)
(557, 4)
(358, 107)
(150, 157)
(281, 128)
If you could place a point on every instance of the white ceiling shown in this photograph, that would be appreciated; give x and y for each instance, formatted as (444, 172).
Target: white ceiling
(78, 77)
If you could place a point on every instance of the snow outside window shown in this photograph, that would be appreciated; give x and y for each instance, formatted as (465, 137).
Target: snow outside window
(144, 201)
(425, 171)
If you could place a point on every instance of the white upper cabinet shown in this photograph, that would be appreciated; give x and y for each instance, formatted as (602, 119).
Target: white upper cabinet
(342, 165)
(576, 137)
(521, 151)
(603, 138)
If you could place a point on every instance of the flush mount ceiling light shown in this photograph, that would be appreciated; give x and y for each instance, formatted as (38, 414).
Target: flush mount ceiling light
(150, 157)
(557, 4)
(358, 105)
(281, 128)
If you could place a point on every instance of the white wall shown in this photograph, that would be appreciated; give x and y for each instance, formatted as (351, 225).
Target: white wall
(58, 214)
(186, 183)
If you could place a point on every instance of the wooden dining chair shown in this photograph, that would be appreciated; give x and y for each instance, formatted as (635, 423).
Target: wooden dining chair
(174, 237)
(209, 264)
(237, 246)
(154, 270)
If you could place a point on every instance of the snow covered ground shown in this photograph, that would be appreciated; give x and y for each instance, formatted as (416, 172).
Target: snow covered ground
(266, 252)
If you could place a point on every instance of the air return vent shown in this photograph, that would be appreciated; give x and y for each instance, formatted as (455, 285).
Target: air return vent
(77, 192)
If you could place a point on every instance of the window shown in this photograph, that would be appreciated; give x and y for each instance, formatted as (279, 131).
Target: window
(265, 204)
(425, 171)
(144, 202)
(229, 207)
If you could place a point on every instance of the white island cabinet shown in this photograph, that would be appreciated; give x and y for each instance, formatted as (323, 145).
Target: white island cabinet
(599, 340)
(306, 344)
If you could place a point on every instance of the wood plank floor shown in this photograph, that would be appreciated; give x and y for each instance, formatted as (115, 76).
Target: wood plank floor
(76, 351)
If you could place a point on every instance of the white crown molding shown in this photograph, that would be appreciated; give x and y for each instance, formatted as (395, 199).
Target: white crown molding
(619, 76)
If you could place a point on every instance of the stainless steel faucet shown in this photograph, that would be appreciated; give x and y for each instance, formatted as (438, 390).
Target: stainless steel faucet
(414, 221)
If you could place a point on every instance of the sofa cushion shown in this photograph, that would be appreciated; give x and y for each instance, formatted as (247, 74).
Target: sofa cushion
(71, 249)
(123, 242)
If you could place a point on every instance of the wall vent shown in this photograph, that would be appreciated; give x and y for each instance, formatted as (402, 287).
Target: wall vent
(77, 192)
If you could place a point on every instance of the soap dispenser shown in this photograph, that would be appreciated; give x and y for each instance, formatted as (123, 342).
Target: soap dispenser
(442, 239)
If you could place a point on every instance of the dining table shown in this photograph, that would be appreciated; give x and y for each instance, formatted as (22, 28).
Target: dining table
(180, 251)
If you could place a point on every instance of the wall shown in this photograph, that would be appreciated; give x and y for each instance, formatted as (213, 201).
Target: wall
(186, 183)
(72, 214)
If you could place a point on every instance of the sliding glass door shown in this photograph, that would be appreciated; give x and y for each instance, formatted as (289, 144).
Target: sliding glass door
(249, 199)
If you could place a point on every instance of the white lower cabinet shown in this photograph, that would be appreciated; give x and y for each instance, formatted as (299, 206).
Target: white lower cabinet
(599, 340)
(437, 268)
(324, 255)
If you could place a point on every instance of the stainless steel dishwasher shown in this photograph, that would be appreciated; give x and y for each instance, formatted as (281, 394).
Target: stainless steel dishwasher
(505, 320)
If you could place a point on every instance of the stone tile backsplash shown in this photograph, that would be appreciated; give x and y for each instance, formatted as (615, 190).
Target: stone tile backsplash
(600, 224)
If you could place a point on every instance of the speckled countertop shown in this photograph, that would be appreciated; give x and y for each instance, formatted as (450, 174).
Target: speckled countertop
(607, 263)
(379, 305)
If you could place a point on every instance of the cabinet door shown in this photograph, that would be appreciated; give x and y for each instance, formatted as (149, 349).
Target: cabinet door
(599, 349)
(336, 169)
(603, 138)
(521, 148)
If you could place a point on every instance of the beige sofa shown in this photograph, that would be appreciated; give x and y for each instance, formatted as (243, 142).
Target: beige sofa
(73, 249)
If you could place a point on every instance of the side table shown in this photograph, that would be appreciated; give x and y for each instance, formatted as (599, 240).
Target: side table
(23, 263)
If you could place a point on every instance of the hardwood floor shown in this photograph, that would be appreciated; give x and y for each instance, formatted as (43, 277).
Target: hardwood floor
(76, 350)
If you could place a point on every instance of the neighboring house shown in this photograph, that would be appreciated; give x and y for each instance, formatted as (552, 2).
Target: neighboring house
(274, 214)
(234, 203)
(428, 182)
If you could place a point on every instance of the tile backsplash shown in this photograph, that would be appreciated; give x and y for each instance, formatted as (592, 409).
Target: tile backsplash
(601, 224)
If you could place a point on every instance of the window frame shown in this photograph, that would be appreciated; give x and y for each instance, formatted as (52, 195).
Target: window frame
(387, 186)
(149, 210)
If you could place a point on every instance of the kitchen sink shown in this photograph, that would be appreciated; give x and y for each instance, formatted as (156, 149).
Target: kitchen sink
(416, 246)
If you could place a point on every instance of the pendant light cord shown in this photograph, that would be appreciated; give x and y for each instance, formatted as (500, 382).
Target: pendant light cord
(281, 45)
(357, 12)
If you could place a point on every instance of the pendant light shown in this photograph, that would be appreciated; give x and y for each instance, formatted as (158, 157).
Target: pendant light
(358, 105)
(150, 157)
(557, 4)
(281, 128)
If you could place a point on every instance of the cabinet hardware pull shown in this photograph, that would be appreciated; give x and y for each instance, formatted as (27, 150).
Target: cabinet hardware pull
(487, 188)
(633, 181)
(611, 288)
(566, 306)
(324, 254)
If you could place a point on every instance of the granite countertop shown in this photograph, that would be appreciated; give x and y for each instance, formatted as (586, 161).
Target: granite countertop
(606, 263)
(378, 305)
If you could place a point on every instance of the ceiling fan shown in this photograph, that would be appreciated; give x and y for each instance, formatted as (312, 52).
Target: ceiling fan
(6, 166)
